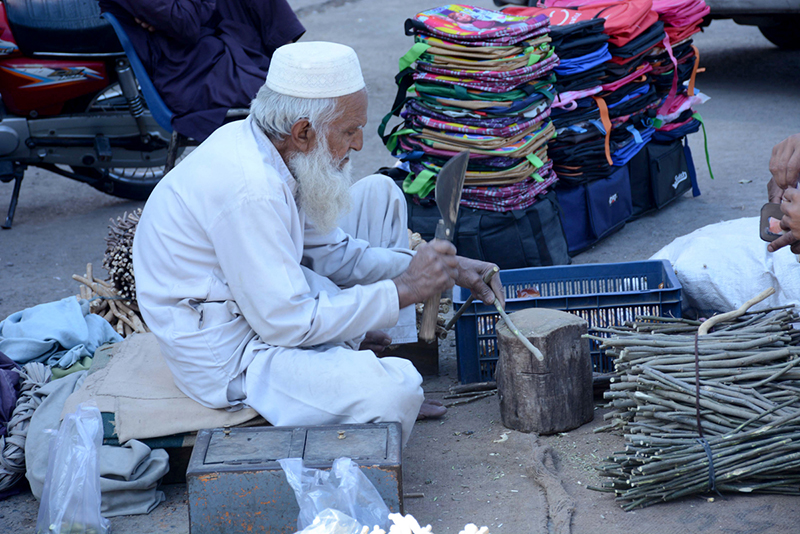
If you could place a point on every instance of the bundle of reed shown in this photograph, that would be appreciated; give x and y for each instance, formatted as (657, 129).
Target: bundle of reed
(118, 259)
(702, 412)
(105, 301)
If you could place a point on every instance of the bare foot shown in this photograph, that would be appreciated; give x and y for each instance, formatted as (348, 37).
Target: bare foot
(431, 409)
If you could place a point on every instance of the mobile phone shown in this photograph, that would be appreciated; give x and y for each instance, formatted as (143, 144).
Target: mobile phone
(770, 224)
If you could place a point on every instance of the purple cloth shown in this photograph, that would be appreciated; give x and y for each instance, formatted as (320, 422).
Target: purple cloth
(206, 56)
(9, 390)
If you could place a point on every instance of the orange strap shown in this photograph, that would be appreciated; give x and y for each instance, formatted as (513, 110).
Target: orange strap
(690, 90)
(606, 120)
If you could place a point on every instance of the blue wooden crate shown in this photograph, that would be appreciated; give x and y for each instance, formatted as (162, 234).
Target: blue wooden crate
(605, 294)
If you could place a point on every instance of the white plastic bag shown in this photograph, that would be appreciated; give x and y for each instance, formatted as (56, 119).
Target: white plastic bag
(331, 521)
(71, 496)
(344, 488)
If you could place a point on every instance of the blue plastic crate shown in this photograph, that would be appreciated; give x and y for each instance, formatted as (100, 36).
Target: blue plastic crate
(605, 294)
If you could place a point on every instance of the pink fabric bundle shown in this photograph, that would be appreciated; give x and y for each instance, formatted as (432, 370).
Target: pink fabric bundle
(682, 18)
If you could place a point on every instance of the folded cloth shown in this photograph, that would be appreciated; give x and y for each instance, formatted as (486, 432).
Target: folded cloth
(58, 333)
(137, 386)
(9, 390)
(129, 475)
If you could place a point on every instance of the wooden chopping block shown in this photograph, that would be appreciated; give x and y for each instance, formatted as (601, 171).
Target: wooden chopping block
(554, 395)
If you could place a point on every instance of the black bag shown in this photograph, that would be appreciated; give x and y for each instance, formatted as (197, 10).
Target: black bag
(596, 209)
(532, 237)
(660, 173)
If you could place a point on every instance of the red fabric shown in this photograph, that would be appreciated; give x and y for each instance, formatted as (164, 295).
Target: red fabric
(624, 20)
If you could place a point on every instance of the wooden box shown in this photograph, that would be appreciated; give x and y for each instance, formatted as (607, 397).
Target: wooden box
(235, 483)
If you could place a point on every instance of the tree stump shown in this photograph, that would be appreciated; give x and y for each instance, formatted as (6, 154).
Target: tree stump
(553, 395)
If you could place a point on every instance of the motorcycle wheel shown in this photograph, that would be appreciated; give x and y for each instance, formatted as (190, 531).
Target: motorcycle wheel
(133, 183)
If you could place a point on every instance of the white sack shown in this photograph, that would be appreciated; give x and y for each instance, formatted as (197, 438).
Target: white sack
(723, 265)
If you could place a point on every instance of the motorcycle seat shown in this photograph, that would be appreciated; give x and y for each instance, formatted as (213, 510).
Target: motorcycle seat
(72, 27)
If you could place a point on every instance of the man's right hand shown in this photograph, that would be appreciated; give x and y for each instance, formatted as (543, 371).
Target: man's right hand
(432, 270)
(784, 166)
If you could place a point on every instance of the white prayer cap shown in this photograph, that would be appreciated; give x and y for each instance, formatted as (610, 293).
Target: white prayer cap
(315, 70)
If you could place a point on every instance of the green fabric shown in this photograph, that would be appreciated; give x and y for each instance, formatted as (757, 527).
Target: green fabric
(705, 142)
(81, 365)
(421, 185)
(412, 55)
(391, 140)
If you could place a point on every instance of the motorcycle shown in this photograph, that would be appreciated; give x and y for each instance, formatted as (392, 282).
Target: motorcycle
(71, 103)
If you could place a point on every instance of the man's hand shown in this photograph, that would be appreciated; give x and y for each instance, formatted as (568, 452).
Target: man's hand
(790, 206)
(145, 25)
(784, 165)
(471, 274)
(774, 193)
(433, 269)
(376, 341)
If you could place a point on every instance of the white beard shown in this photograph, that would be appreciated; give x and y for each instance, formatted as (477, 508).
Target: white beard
(323, 189)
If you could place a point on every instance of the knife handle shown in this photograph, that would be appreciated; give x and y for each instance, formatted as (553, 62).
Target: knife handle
(427, 326)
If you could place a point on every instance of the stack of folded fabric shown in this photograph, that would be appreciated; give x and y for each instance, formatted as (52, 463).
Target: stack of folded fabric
(483, 82)
(605, 118)
(674, 69)
(607, 114)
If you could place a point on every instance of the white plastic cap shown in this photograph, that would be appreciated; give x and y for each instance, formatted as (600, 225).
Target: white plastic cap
(315, 70)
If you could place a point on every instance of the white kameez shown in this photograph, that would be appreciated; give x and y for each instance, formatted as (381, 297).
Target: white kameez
(231, 277)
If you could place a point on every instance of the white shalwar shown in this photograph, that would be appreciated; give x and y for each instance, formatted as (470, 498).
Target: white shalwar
(251, 305)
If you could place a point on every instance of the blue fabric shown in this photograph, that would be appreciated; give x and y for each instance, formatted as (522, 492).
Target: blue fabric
(57, 333)
(664, 136)
(625, 153)
(643, 90)
(583, 63)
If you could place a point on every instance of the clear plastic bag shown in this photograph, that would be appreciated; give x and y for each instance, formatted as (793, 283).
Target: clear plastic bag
(71, 496)
(344, 488)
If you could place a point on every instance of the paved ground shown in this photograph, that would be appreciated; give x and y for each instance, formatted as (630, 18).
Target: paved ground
(465, 476)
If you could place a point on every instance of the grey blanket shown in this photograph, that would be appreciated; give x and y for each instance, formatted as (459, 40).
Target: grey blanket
(129, 475)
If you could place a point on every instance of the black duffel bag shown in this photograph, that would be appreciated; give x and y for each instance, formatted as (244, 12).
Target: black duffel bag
(532, 237)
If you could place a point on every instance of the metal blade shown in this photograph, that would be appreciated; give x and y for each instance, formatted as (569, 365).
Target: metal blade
(449, 184)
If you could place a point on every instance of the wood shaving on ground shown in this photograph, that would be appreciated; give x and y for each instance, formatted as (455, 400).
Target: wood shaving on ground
(105, 301)
(407, 524)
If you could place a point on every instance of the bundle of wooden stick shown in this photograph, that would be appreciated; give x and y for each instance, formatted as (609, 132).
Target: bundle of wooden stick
(717, 411)
(104, 300)
(118, 259)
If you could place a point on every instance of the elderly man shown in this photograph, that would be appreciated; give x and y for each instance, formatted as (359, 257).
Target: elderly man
(255, 294)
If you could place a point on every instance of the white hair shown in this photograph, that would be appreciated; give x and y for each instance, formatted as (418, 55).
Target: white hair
(276, 113)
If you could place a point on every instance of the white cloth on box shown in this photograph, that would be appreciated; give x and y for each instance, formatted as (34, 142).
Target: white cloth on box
(721, 266)
(315, 69)
(129, 475)
(227, 267)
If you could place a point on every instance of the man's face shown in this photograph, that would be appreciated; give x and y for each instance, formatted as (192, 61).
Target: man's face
(346, 133)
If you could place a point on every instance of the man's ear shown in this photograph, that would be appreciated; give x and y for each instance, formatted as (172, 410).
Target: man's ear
(303, 135)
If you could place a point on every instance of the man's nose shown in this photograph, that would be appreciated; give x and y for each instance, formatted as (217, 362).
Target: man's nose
(358, 141)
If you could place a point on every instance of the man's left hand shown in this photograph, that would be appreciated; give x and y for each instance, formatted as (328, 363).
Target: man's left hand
(376, 341)
(790, 206)
(470, 275)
